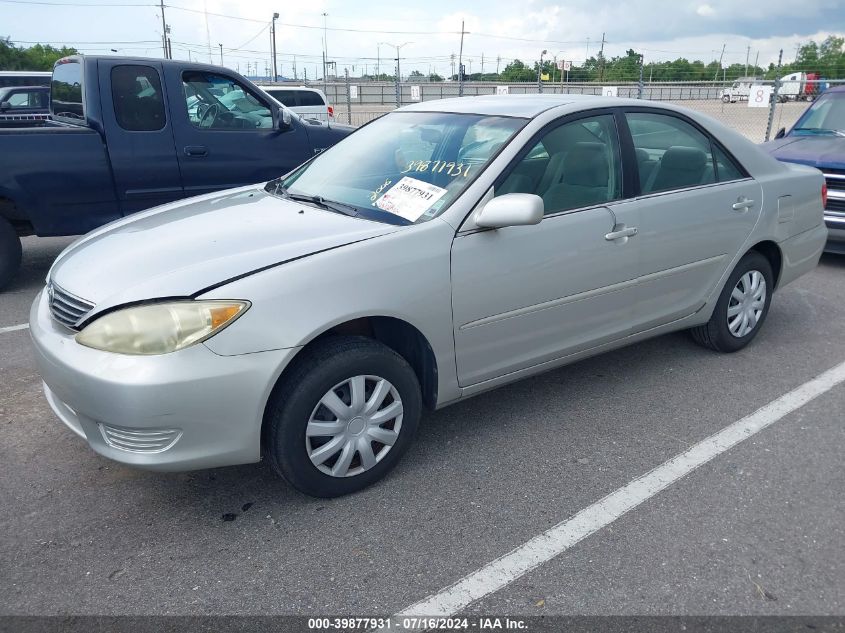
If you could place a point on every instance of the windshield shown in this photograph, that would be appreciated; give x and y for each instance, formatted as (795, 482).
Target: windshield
(825, 116)
(404, 167)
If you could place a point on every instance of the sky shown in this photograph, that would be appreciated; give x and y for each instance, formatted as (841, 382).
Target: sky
(361, 35)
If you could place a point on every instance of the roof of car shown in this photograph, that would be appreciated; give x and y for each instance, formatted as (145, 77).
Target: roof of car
(525, 105)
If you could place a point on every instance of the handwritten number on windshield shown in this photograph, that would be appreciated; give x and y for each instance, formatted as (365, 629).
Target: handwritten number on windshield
(438, 166)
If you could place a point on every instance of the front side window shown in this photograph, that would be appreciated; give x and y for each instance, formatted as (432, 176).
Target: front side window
(404, 167)
(137, 98)
(218, 102)
(22, 100)
(574, 165)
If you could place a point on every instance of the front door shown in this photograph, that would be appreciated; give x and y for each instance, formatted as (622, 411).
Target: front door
(525, 295)
(225, 135)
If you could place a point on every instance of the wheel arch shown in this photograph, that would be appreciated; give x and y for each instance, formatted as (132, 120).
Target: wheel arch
(397, 334)
(771, 251)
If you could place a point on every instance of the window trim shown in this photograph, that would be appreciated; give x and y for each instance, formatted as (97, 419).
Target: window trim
(553, 125)
(161, 93)
(714, 142)
(273, 111)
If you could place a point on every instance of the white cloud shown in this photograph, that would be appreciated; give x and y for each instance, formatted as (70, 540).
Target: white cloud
(705, 10)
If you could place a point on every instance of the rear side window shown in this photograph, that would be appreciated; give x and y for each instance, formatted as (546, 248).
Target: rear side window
(726, 168)
(285, 97)
(671, 153)
(137, 98)
(66, 90)
(308, 98)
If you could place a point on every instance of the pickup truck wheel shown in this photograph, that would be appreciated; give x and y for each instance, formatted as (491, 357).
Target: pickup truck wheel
(726, 99)
(342, 416)
(10, 252)
(742, 307)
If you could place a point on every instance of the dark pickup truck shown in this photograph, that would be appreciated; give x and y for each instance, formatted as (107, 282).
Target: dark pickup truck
(126, 134)
(818, 139)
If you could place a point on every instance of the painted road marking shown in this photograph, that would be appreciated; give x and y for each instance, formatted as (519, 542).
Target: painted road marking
(14, 328)
(544, 547)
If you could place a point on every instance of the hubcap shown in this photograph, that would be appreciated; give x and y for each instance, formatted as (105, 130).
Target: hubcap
(747, 302)
(353, 426)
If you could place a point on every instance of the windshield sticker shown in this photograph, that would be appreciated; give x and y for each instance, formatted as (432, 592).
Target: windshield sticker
(410, 198)
(437, 167)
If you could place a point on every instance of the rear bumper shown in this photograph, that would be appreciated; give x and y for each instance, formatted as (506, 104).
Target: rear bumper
(181, 411)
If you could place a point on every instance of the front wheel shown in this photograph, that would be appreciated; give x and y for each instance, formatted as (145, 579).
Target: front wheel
(742, 307)
(726, 99)
(10, 252)
(342, 417)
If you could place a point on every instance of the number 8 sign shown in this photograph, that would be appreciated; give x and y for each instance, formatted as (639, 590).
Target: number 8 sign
(759, 96)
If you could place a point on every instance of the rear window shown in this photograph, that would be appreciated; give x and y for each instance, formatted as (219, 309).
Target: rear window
(66, 90)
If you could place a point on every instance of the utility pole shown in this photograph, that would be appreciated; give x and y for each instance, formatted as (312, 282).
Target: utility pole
(640, 86)
(325, 51)
(461, 63)
(747, 55)
(721, 57)
(452, 58)
(601, 59)
(773, 104)
(540, 71)
(498, 61)
(482, 63)
(221, 54)
(273, 35)
(294, 67)
(756, 60)
(163, 32)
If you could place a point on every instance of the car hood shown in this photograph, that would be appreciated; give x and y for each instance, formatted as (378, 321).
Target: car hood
(817, 151)
(181, 249)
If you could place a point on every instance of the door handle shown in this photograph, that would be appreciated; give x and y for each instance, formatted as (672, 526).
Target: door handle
(196, 150)
(615, 235)
(742, 203)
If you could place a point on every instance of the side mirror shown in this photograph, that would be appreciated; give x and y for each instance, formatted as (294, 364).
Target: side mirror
(5, 105)
(283, 119)
(781, 133)
(511, 209)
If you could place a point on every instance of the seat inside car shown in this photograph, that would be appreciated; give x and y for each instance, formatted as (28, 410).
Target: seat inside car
(679, 167)
(582, 179)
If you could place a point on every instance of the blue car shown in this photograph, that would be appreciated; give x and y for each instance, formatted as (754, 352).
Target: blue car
(818, 139)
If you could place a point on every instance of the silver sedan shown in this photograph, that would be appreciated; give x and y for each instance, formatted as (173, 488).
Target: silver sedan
(443, 250)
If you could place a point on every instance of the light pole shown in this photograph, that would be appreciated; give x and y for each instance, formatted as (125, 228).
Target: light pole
(325, 52)
(540, 71)
(273, 28)
(397, 47)
(221, 54)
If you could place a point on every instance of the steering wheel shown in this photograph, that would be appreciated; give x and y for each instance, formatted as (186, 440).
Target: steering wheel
(208, 117)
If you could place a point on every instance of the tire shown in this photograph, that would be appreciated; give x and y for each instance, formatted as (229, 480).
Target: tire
(10, 252)
(726, 99)
(297, 403)
(716, 334)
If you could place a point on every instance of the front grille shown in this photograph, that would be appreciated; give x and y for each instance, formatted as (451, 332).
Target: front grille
(136, 441)
(66, 308)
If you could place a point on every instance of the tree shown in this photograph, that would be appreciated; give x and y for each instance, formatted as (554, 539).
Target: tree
(37, 57)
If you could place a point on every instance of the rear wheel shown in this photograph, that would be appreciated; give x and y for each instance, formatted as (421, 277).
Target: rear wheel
(342, 417)
(10, 252)
(742, 306)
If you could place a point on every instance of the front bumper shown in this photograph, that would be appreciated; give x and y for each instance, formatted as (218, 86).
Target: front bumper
(212, 405)
(835, 234)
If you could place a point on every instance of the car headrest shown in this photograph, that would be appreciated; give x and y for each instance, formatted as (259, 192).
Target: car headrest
(585, 165)
(682, 158)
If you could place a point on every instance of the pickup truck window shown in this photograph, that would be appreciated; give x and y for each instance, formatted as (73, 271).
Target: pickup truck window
(220, 103)
(66, 90)
(138, 102)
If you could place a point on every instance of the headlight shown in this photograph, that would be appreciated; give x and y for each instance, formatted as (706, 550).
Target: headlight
(160, 328)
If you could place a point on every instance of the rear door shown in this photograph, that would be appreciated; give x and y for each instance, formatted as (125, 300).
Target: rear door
(224, 132)
(696, 207)
(139, 135)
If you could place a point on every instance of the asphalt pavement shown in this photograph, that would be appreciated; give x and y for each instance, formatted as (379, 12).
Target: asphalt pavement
(758, 530)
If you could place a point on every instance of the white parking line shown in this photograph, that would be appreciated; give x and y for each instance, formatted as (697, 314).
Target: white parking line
(558, 539)
(14, 328)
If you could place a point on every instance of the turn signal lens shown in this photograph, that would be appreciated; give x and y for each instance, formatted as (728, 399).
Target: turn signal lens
(160, 328)
(824, 195)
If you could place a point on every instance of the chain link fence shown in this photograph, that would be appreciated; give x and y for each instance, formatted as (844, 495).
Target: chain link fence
(732, 103)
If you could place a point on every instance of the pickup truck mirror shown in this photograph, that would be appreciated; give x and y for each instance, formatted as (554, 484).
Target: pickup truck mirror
(5, 105)
(282, 119)
(781, 133)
